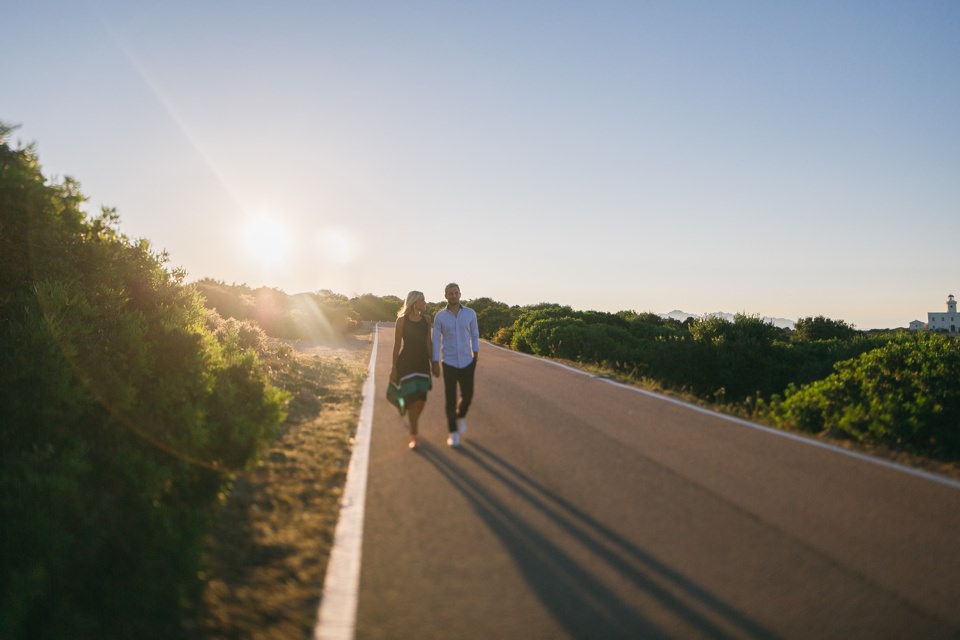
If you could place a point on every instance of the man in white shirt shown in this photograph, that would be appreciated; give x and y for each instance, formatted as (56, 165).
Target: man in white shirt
(457, 337)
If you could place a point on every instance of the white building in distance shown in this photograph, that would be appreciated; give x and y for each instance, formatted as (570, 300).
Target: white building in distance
(943, 321)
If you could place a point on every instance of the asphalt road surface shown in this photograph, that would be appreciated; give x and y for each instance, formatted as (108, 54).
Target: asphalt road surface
(577, 508)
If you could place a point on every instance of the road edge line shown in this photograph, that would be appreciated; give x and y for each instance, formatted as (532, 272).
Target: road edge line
(337, 613)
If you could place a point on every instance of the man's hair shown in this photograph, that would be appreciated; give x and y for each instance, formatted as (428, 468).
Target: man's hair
(452, 284)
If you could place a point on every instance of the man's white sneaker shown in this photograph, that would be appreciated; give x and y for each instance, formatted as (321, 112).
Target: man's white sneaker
(462, 426)
(454, 439)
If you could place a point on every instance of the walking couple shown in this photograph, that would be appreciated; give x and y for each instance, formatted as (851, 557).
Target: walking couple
(421, 343)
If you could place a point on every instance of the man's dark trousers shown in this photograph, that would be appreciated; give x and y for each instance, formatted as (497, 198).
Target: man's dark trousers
(452, 376)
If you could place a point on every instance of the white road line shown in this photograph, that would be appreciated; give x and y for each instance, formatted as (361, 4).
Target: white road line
(920, 473)
(337, 614)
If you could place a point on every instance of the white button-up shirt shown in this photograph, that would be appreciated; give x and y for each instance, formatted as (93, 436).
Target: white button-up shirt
(458, 335)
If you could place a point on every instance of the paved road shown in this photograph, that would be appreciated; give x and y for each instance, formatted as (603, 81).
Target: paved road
(582, 509)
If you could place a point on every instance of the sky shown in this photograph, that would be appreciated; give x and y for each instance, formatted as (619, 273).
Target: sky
(778, 159)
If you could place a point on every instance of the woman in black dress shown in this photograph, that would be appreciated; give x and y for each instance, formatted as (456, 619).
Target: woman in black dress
(412, 351)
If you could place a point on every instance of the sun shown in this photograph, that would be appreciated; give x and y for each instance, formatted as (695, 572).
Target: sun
(267, 240)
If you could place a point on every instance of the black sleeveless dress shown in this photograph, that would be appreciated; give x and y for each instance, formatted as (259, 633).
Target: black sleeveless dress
(413, 364)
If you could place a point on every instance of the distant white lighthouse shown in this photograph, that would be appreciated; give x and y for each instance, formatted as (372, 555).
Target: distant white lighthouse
(939, 321)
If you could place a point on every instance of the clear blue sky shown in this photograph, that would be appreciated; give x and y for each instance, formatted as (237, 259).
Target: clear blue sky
(778, 159)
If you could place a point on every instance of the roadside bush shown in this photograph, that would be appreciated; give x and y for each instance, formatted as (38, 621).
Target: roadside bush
(376, 308)
(525, 338)
(123, 415)
(903, 394)
(822, 328)
(302, 316)
(492, 316)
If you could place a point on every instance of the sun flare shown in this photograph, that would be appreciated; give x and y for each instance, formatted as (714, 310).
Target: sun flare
(267, 240)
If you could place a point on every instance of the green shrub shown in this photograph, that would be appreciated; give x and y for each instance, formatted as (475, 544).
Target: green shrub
(904, 394)
(123, 415)
(492, 316)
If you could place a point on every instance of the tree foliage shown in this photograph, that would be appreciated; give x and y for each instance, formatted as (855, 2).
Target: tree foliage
(376, 308)
(125, 404)
(821, 328)
(492, 316)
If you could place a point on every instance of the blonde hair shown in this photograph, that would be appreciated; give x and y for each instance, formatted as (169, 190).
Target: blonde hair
(412, 298)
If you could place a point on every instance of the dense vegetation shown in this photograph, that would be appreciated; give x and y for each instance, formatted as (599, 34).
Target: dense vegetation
(303, 316)
(125, 404)
(904, 395)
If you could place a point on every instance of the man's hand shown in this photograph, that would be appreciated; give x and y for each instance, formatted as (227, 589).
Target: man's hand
(436, 369)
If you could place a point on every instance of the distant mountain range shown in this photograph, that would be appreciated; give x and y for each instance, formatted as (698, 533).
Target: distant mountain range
(676, 314)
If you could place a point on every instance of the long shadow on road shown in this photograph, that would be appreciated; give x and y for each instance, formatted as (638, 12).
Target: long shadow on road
(576, 596)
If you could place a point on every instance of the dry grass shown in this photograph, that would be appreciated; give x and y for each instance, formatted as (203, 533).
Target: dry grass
(266, 555)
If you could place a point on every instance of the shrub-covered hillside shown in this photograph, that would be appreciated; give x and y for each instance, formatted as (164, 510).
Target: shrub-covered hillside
(124, 405)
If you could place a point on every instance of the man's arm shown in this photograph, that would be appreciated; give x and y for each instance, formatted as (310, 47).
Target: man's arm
(475, 336)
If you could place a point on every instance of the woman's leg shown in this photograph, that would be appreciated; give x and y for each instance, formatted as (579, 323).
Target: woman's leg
(413, 412)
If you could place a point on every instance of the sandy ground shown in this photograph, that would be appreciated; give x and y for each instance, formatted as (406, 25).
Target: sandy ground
(266, 555)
